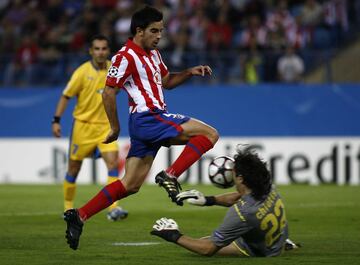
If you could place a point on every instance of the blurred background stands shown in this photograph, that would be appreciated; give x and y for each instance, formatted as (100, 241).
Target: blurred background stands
(43, 41)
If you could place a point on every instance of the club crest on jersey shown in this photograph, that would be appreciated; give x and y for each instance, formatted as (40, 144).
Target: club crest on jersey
(113, 71)
(157, 77)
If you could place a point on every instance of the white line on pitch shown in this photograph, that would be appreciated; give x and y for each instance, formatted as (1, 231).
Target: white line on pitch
(135, 244)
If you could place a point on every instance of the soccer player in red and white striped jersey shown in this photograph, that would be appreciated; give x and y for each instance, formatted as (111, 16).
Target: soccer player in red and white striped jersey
(139, 69)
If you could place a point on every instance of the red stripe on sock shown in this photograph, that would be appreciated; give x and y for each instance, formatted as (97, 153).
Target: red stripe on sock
(196, 147)
(110, 193)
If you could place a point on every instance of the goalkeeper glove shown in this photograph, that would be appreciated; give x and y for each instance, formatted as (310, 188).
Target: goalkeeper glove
(196, 197)
(166, 229)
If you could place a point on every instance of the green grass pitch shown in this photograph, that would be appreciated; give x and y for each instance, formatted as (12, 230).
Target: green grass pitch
(325, 219)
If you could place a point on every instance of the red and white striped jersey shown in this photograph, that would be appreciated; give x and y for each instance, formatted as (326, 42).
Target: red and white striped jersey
(140, 74)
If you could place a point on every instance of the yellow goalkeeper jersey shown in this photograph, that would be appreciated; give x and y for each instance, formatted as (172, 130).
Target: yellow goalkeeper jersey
(87, 84)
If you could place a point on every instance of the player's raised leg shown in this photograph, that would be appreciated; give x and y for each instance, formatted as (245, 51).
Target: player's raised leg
(136, 170)
(199, 138)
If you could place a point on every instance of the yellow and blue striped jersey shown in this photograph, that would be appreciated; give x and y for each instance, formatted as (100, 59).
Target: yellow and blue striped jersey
(87, 84)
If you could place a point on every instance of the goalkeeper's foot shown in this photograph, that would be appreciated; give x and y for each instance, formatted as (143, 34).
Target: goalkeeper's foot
(170, 184)
(290, 245)
(74, 228)
(116, 214)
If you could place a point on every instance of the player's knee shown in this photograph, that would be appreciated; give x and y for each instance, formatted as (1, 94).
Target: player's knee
(72, 171)
(213, 135)
(112, 167)
(74, 167)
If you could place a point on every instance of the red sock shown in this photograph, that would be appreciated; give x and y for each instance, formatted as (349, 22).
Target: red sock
(110, 193)
(194, 149)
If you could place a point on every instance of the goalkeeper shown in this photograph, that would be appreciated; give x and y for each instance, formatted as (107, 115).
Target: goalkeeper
(255, 224)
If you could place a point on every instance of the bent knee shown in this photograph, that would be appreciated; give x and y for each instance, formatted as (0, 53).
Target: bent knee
(213, 136)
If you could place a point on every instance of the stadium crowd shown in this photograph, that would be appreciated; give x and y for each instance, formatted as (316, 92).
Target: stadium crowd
(43, 41)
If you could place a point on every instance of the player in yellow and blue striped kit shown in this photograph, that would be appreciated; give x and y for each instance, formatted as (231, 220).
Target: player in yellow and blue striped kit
(90, 124)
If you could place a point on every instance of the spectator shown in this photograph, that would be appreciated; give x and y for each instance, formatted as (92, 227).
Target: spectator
(290, 66)
(252, 64)
(335, 14)
(280, 24)
(54, 11)
(219, 36)
(256, 8)
(220, 26)
(276, 40)
(311, 15)
(219, 33)
(280, 18)
(254, 30)
(180, 47)
(198, 24)
(22, 68)
(50, 58)
(162, 6)
(8, 37)
(17, 14)
(300, 36)
(122, 24)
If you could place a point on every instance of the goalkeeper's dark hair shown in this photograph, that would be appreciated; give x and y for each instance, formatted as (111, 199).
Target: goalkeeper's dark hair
(254, 172)
(144, 17)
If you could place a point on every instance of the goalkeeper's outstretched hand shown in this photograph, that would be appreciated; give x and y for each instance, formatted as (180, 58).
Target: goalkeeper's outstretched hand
(194, 197)
(166, 229)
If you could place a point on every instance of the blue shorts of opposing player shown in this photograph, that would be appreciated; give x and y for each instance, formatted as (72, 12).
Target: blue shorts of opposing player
(151, 129)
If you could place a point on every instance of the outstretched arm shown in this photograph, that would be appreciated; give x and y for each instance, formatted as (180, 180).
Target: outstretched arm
(168, 229)
(174, 79)
(227, 199)
(61, 107)
(202, 246)
(109, 101)
(197, 198)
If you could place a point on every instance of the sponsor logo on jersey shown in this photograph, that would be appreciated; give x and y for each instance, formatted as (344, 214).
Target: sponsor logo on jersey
(157, 77)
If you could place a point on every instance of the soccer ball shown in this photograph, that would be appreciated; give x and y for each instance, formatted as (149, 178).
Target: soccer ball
(221, 172)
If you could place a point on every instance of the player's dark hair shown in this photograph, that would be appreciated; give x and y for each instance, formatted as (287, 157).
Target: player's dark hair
(99, 37)
(254, 172)
(144, 17)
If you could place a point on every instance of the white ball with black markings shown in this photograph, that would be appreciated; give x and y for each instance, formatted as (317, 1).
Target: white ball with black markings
(113, 71)
(221, 172)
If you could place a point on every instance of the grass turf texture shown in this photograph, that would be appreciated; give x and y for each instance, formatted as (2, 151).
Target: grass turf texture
(325, 219)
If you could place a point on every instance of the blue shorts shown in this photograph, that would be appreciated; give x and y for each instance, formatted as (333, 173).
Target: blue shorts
(152, 129)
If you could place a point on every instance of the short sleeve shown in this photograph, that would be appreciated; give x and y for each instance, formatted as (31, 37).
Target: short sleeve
(118, 71)
(232, 227)
(74, 85)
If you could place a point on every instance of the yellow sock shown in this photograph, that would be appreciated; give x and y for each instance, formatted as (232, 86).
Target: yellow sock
(111, 179)
(69, 190)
